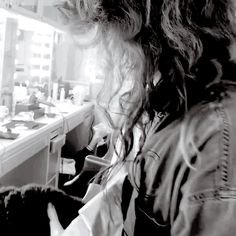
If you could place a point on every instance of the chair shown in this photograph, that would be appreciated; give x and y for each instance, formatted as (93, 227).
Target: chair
(92, 165)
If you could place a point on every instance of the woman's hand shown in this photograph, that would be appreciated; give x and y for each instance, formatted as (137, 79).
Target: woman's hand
(55, 226)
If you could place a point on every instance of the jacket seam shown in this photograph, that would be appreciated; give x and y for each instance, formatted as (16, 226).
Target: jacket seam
(213, 195)
(222, 190)
(224, 155)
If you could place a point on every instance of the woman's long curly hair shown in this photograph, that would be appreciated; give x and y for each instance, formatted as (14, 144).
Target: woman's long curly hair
(184, 41)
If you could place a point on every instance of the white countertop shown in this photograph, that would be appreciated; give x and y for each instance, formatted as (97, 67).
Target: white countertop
(29, 142)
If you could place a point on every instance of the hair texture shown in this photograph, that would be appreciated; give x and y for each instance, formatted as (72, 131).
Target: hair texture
(185, 41)
(23, 211)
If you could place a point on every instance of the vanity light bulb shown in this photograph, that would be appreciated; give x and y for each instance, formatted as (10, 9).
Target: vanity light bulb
(27, 83)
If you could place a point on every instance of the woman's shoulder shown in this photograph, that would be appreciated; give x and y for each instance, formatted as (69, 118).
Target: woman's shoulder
(199, 123)
(214, 119)
(202, 144)
(207, 135)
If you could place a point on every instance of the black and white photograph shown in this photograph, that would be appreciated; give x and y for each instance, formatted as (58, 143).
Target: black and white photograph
(117, 117)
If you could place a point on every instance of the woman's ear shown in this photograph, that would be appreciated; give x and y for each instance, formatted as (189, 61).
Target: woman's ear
(55, 226)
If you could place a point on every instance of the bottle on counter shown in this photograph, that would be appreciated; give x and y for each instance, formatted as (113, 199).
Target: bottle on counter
(62, 95)
(54, 91)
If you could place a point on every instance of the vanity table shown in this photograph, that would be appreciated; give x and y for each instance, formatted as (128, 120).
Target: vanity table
(34, 156)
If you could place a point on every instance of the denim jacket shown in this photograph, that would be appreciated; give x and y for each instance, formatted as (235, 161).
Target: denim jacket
(173, 198)
(183, 201)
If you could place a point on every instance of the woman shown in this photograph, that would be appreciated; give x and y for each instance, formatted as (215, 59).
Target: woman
(176, 53)
(183, 179)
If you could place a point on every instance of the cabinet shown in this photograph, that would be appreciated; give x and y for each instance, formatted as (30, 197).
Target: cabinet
(40, 162)
(34, 156)
(28, 168)
(56, 143)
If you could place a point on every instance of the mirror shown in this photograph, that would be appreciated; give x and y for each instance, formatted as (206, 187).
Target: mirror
(8, 27)
(60, 59)
(35, 56)
(33, 61)
(26, 48)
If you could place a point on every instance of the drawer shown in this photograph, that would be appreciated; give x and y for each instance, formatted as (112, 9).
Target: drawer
(57, 143)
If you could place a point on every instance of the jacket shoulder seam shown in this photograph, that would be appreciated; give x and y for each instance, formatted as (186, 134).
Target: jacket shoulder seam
(224, 148)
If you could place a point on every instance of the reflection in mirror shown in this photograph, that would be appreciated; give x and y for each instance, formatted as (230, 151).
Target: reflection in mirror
(35, 58)
(59, 63)
(26, 47)
(32, 63)
(8, 27)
